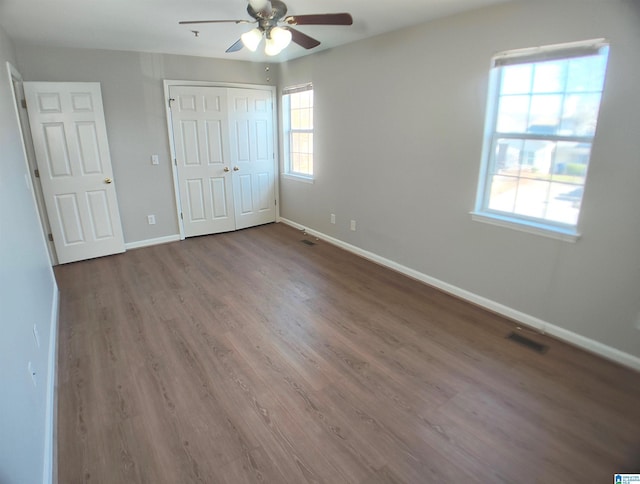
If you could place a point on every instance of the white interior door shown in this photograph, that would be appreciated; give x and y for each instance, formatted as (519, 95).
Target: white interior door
(72, 153)
(199, 117)
(252, 151)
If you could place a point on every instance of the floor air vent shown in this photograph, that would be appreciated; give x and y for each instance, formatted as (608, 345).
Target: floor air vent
(529, 343)
(307, 242)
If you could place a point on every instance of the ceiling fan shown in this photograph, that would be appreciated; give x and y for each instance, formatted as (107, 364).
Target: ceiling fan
(268, 14)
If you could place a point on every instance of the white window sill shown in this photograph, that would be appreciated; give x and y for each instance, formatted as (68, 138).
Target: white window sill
(527, 226)
(300, 178)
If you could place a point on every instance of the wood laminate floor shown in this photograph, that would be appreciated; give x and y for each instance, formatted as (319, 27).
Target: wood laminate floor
(250, 357)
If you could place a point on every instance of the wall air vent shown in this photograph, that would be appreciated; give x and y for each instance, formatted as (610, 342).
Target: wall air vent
(528, 343)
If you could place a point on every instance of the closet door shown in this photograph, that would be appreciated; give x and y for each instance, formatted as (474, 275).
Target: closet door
(200, 126)
(252, 152)
(225, 164)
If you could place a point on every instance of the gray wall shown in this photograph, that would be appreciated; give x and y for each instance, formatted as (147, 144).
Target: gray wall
(26, 296)
(399, 122)
(135, 113)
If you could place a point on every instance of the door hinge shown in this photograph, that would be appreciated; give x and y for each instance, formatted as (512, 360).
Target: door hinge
(175, 161)
(23, 103)
(275, 202)
(50, 237)
(169, 102)
(181, 216)
(36, 173)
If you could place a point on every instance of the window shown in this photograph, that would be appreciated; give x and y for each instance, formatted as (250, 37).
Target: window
(541, 119)
(297, 109)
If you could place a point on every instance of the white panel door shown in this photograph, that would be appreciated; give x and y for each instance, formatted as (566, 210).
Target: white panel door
(72, 152)
(252, 153)
(199, 117)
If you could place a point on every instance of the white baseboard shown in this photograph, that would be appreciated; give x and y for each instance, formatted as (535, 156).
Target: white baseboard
(50, 417)
(149, 242)
(528, 320)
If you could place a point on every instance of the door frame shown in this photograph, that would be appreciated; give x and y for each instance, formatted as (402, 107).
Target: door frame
(167, 83)
(28, 150)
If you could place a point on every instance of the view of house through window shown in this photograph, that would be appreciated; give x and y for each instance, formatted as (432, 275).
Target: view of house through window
(297, 104)
(541, 122)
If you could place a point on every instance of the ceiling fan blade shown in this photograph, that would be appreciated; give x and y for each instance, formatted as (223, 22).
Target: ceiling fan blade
(238, 45)
(303, 39)
(320, 19)
(187, 22)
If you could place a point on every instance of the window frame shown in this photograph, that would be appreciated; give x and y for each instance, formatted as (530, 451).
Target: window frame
(287, 133)
(530, 224)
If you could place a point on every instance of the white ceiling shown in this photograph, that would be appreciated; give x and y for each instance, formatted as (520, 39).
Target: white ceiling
(152, 25)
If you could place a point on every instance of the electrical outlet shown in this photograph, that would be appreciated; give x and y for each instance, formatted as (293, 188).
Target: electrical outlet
(353, 225)
(155, 160)
(333, 218)
(36, 335)
(151, 219)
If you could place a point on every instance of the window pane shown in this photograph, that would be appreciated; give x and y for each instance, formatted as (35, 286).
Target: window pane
(295, 100)
(571, 162)
(531, 199)
(549, 76)
(304, 99)
(537, 158)
(544, 116)
(516, 79)
(586, 73)
(512, 114)
(295, 119)
(564, 203)
(503, 193)
(507, 156)
(305, 119)
(580, 114)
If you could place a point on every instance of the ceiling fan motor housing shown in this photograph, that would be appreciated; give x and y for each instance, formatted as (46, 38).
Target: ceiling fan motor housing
(269, 17)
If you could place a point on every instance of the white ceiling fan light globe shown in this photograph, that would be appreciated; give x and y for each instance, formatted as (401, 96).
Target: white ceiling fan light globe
(282, 37)
(252, 39)
(271, 48)
(277, 39)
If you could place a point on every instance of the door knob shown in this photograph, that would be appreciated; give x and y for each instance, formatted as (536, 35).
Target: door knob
(235, 168)
(108, 180)
(226, 169)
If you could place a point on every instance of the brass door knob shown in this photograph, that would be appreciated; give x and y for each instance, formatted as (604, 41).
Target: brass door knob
(226, 169)
(108, 180)
(235, 168)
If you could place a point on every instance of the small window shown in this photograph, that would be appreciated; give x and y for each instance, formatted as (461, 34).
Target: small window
(297, 114)
(540, 124)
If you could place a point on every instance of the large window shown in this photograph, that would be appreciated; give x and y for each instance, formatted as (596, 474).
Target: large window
(297, 113)
(541, 120)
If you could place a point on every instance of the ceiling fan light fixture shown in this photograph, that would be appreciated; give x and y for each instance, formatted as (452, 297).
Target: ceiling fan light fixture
(252, 39)
(277, 40)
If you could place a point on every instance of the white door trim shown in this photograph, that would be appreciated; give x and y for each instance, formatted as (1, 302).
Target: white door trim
(167, 83)
(29, 158)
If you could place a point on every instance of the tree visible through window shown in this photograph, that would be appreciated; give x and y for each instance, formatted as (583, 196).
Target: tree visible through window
(541, 121)
(297, 110)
